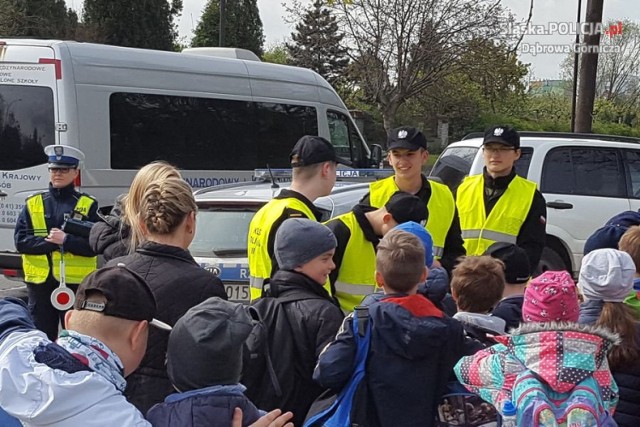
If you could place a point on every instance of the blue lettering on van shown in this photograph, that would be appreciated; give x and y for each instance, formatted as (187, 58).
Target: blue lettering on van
(22, 177)
(210, 182)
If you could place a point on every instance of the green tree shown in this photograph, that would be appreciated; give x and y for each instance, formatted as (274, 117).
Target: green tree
(242, 26)
(402, 49)
(277, 54)
(147, 24)
(317, 44)
(37, 18)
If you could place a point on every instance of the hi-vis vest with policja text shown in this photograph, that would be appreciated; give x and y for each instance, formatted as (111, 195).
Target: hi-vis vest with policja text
(505, 219)
(36, 267)
(258, 252)
(441, 208)
(356, 277)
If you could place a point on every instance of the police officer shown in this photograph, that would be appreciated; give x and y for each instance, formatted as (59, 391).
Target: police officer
(500, 206)
(40, 239)
(313, 162)
(358, 233)
(407, 155)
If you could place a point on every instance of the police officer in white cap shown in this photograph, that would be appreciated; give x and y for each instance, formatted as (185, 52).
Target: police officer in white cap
(42, 242)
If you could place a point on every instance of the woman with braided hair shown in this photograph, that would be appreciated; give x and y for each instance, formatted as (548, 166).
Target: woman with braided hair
(167, 221)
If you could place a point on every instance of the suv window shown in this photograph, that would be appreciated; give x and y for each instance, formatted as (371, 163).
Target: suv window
(453, 165)
(583, 171)
(632, 160)
(522, 165)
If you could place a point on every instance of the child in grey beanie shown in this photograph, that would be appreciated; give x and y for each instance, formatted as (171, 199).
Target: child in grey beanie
(304, 251)
(299, 240)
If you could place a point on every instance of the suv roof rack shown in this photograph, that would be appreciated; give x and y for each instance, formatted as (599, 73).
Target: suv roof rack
(610, 138)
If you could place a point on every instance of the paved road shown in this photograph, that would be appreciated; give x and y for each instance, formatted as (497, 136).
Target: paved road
(12, 288)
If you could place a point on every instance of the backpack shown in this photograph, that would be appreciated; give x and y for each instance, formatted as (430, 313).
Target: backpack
(351, 406)
(260, 360)
(460, 408)
(540, 406)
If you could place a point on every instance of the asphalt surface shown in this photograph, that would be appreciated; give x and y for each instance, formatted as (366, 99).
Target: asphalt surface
(12, 288)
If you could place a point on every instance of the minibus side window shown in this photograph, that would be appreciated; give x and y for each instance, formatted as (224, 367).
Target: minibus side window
(345, 137)
(205, 133)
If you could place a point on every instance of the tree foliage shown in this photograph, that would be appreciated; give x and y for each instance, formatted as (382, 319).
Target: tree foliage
(401, 48)
(145, 23)
(487, 80)
(37, 18)
(243, 26)
(277, 54)
(316, 44)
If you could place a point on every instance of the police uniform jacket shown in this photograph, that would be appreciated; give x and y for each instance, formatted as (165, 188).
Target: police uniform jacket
(453, 244)
(58, 202)
(257, 260)
(532, 235)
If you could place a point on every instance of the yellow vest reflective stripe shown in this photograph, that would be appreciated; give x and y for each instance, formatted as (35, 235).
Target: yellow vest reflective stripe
(441, 208)
(356, 278)
(36, 267)
(505, 220)
(257, 243)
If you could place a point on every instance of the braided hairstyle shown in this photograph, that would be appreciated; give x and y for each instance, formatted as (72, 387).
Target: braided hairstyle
(165, 204)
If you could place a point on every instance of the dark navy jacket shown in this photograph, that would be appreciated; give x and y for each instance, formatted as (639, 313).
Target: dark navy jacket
(207, 407)
(414, 347)
(590, 311)
(628, 380)
(57, 203)
(510, 310)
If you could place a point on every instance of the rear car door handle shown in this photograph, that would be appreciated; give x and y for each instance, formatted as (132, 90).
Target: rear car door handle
(559, 205)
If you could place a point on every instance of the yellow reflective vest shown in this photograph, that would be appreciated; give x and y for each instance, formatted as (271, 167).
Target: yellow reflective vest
(36, 267)
(441, 208)
(505, 219)
(258, 240)
(356, 277)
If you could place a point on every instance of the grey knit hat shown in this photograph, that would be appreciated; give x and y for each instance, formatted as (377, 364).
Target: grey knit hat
(205, 345)
(299, 240)
(606, 275)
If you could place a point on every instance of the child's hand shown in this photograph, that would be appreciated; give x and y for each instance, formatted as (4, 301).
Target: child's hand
(274, 418)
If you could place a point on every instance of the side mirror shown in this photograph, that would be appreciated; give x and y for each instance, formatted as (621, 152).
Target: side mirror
(376, 155)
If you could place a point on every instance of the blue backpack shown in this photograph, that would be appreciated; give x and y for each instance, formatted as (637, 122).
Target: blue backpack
(350, 407)
(540, 406)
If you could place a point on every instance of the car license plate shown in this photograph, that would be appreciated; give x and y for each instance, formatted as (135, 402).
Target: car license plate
(238, 292)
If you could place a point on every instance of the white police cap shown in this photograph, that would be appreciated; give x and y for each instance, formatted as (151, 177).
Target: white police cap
(63, 156)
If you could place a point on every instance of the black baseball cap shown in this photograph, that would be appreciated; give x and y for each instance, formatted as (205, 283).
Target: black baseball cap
(406, 137)
(127, 295)
(405, 207)
(505, 135)
(517, 269)
(311, 150)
